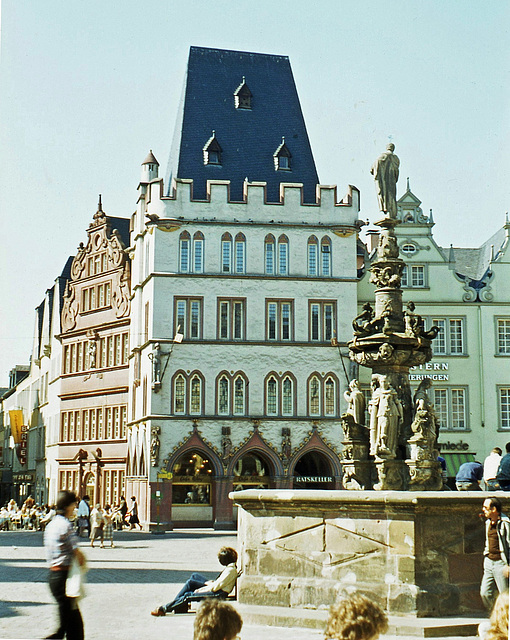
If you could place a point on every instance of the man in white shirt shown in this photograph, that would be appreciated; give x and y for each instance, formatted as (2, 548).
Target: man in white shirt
(490, 469)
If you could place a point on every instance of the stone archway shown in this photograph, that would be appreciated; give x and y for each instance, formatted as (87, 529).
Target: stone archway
(313, 470)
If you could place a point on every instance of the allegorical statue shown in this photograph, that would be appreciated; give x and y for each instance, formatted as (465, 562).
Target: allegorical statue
(385, 417)
(356, 402)
(385, 172)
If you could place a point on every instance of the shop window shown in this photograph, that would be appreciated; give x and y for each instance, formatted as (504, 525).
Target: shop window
(192, 475)
(251, 472)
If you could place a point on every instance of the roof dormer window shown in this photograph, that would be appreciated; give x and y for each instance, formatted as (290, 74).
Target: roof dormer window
(242, 96)
(282, 157)
(212, 150)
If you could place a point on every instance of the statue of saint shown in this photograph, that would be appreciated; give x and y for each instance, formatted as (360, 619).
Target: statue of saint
(385, 172)
(356, 401)
(386, 413)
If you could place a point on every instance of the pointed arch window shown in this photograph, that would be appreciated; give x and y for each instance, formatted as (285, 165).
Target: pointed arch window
(179, 394)
(326, 256)
(314, 396)
(226, 253)
(282, 157)
(198, 252)
(242, 96)
(330, 396)
(223, 395)
(196, 395)
(272, 396)
(312, 256)
(240, 253)
(239, 396)
(184, 252)
(283, 255)
(287, 396)
(212, 151)
(269, 254)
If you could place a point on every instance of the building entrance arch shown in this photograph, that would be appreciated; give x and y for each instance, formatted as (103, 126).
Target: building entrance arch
(252, 471)
(90, 489)
(313, 470)
(193, 482)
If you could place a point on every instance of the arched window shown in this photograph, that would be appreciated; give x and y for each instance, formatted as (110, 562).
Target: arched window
(212, 150)
(239, 396)
(196, 395)
(192, 475)
(223, 395)
(287, 396)
(240, 251)
(283, 255)
(326, 256)
(312, 256)
(272, 397)
(314, 396)
(184, 252)
(198, 252)
(226, 253)
(330, 397)
(180, 394)
(269, 257)
(282, 157)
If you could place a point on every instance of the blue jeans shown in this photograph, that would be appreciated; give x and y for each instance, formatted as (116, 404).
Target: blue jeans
(493, 581)
(187, 593)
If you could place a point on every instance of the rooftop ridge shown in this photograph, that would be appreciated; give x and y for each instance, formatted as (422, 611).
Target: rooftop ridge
(238, 51)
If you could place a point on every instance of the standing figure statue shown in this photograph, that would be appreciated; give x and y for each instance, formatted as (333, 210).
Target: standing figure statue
(385, 172)
(356, 401)
(386, 414)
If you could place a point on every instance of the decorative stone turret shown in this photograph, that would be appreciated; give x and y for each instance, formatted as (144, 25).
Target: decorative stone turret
(389, 340)
(150, 168)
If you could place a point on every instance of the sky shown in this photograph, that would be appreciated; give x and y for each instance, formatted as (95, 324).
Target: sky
(88, 87)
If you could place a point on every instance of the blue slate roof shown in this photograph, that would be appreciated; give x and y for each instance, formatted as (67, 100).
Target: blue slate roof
(248, 137)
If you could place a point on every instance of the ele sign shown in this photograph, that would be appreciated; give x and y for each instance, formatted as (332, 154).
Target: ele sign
(430, 370)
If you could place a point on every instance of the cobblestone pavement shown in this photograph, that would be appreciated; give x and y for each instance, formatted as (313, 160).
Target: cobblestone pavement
(124, 585)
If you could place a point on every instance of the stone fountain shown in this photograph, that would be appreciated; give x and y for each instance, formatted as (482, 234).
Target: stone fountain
(402, 433)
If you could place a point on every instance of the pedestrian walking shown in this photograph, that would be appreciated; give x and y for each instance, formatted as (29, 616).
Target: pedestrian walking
(62, 548)
(97, 522)
(490, 469)
(108, 524)
(503, 475)
(133, 515)
(469, 476)
(84, 516)
(496, 552)
(123, 508)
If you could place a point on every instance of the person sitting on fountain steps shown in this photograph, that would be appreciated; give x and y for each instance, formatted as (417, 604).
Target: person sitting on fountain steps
(198, 587)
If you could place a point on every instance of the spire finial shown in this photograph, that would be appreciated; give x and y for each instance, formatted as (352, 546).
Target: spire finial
(100, 204)
(408, 188)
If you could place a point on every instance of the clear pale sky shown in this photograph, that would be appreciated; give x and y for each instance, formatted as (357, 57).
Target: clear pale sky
(88, 87)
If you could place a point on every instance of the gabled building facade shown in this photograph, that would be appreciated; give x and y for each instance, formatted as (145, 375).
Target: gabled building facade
(244, 271)
(86, 449)
(465, 293)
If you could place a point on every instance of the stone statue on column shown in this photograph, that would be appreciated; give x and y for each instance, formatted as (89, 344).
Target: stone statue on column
(386, 414)
(385, 171)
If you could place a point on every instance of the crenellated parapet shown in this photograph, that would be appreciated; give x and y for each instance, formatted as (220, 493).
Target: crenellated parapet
(340, 215)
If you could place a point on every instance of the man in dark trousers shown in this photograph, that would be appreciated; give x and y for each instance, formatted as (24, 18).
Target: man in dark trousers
(496, 552)
(503, 476)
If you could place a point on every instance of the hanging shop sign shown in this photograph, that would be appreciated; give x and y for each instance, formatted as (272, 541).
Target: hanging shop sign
(22, 447)
(430, 371)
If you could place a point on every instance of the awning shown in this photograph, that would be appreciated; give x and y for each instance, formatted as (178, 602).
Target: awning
(454, 460)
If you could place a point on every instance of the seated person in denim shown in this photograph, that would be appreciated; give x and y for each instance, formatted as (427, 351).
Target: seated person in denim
(198, 587)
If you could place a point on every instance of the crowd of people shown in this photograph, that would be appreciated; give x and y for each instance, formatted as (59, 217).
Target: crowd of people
(29, 516)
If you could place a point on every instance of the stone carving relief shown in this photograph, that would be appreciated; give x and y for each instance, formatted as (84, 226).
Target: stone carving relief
(115, 249)
(386, 415)
(69, 308)
(79, 262)
(155, 445)
(120, 292)
(356, 402)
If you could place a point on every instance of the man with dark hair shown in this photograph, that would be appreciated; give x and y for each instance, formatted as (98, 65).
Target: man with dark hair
(503, 476)
(62, 548)
(496, 552)
(198, 587)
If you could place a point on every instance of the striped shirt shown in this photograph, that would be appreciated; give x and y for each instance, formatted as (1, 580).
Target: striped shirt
(60, 542)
